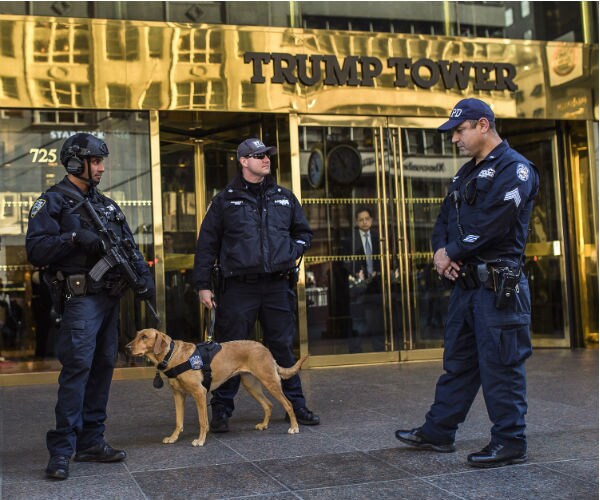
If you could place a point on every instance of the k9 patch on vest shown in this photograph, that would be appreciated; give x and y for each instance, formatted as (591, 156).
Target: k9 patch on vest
(36, 207)
(196, 362)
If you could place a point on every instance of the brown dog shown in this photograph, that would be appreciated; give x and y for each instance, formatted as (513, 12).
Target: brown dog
(247, 358)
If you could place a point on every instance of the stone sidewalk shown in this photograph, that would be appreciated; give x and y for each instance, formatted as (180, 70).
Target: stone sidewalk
(353, 454)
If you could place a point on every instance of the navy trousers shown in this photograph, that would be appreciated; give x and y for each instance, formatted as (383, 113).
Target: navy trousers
(87, 349)
(483, 347)
(238, 307)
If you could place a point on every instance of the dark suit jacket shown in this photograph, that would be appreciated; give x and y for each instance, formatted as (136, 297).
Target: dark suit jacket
(354, 246)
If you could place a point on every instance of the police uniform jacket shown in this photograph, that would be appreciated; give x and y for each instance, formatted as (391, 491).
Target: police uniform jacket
(248, 234)
(486, 214)
(52, 222)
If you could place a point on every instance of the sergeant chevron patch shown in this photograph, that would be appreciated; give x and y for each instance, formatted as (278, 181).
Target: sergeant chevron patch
(513, 195)
(471, 238)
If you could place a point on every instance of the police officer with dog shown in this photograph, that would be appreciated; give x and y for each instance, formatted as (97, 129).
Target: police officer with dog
(254, 232)
(479, 243)
(63, 239)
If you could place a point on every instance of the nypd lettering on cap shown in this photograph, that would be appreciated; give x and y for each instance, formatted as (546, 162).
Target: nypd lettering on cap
(456, 112)
(37, 206)
(522, 172)
(471, 238)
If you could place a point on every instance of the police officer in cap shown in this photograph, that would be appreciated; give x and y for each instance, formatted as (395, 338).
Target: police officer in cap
(479, 243)
(255, 231)
(62, 238)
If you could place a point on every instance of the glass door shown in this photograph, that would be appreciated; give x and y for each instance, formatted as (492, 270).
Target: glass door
(545, 261)
(427, 162)
(389, 176)
(348, 274)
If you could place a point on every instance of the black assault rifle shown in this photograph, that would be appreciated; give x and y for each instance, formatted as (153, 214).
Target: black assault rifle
(120, 252)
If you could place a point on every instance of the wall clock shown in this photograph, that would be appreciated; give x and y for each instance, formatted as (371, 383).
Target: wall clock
(316, 168)
(344, 164)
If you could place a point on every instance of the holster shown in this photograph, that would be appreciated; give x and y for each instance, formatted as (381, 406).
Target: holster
(76, 285)
(506, 283)
(56, 286)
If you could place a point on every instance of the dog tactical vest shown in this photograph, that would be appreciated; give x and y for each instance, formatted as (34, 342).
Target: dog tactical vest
(199, 360)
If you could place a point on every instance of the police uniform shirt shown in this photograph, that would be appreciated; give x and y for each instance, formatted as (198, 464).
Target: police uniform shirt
(495, 200)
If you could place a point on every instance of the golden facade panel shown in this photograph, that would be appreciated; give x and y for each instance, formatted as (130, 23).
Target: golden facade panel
(75, 63)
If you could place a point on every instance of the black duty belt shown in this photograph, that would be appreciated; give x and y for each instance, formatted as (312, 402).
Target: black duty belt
(473, 276)
(199, 360)
(256, 277)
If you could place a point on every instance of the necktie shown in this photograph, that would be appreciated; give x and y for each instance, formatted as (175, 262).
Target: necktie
(368, 254)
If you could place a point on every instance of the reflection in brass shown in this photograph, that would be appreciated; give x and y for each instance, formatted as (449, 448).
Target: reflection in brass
(423, 201)
(340, 201)
(381, 176)
(72, 63)
(320, 259)
(157, 226)
(401, 222)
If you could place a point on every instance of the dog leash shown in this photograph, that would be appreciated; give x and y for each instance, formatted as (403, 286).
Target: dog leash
(210, 323)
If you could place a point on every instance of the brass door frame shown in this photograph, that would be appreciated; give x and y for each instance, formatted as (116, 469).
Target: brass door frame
(555, 247)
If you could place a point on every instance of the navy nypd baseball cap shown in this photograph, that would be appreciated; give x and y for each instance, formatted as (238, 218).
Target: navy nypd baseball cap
(254, 146)
(467, 109)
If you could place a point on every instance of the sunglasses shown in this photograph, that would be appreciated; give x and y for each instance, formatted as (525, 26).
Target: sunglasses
(259, 156)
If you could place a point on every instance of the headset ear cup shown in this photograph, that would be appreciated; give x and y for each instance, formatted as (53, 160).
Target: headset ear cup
(74, 166)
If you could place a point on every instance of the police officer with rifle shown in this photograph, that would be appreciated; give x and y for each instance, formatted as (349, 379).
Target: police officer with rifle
(479, 245)
(82, 239)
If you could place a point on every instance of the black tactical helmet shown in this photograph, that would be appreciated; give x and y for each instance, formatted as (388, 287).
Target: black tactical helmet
(80, 146)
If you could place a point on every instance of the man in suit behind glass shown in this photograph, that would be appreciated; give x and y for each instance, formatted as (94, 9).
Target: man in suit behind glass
(365, 283)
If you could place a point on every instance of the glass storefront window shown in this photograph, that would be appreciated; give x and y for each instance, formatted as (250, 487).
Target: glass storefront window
(29, 164)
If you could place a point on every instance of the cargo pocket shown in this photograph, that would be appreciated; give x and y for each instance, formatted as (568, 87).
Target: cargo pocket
(71, 346)
(511, 344)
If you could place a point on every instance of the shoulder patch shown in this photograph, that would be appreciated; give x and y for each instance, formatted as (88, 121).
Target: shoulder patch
(522, 172)
(36, 207)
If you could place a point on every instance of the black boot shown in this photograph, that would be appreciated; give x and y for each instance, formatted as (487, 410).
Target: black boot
(496, 455)
(417, 439)
(219, 422)
(58, 467)
(100, 453)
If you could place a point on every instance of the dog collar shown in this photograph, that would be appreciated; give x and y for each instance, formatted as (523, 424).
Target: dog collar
(163, 364)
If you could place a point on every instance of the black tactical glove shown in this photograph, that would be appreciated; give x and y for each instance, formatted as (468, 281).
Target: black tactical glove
(146, 290)
(88, 240)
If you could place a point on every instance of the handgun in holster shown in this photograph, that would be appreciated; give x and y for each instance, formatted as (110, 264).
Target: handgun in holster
(56, 285)
(506, 282)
